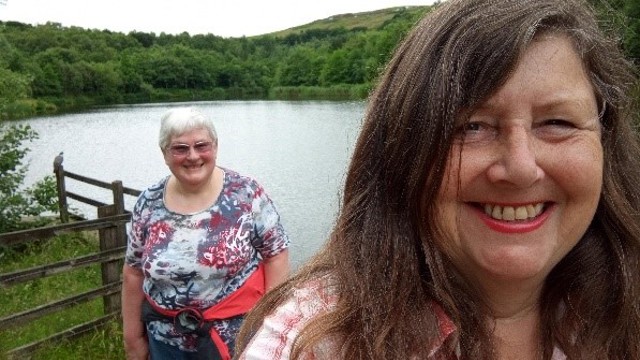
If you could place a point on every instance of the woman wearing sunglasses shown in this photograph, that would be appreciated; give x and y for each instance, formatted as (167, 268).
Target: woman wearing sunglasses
(204, 244)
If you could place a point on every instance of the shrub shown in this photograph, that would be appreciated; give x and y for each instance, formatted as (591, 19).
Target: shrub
(17, 202)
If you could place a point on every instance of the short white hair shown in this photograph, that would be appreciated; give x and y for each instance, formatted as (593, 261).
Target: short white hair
(178, 121)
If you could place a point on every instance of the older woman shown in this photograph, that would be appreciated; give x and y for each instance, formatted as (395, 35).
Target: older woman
(204, 244)
(491, 206)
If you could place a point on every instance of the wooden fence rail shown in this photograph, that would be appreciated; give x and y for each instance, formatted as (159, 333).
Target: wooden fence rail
(111, 227)
(115, 186)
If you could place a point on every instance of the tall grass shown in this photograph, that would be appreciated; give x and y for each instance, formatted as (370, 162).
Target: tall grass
(105, 343)
(25, 108)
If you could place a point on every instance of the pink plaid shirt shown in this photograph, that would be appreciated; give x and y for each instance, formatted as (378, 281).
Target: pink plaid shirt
(274, 338)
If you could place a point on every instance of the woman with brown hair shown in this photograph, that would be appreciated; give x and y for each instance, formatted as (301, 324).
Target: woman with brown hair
(491, 205)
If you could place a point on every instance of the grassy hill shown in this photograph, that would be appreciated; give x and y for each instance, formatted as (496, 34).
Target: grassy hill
(363, 21)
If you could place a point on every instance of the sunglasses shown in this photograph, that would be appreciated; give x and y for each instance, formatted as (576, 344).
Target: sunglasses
(202, 147)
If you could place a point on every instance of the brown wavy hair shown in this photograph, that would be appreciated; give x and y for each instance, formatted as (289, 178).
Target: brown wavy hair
(383, 250)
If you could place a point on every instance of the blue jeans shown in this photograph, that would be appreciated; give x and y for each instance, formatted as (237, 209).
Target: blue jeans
(159, 350)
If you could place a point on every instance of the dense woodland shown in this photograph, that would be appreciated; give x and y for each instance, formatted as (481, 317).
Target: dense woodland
(51, 68)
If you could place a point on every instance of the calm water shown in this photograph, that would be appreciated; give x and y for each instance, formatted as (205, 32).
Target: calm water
(298, 151)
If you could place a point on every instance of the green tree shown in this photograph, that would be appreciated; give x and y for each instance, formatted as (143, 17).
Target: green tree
(71, 68)
(344, 66)
(16, 201)
(301, 68)
(13, 86)
(632, 38)
(106, 80)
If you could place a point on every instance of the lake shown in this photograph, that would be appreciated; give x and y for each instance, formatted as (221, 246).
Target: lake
(298, 151)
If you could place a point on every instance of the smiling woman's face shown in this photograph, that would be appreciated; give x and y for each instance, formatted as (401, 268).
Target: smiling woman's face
(195, 167)
(525, 172)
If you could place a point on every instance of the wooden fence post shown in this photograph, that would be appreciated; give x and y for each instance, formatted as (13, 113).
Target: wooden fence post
(118, 196)
(58, 169)
(111, 238)
(118, 203)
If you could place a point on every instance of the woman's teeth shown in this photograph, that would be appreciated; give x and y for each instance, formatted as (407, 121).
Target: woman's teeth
(511, 213)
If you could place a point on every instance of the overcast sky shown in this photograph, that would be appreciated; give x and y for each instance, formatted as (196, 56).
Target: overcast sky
(227, 18)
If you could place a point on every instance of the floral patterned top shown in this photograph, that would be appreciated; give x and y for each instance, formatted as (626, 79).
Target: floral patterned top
(198, 259)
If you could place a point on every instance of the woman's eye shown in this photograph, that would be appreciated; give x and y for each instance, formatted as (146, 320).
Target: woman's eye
(475, 131)
(472, 127)
(558, 122)
(555, 129)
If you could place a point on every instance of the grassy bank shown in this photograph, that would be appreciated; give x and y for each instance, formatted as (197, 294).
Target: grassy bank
(102, 344)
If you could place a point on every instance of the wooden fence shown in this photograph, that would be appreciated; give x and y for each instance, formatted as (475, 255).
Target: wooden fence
(111, 227)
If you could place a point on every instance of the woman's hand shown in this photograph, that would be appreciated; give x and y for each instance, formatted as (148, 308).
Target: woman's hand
(136, 349)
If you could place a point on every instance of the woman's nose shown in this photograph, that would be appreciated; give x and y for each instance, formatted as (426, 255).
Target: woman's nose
(517, 161)
(192, 154)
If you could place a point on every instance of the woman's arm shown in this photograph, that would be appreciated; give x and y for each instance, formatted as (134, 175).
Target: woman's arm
(270, 239)
(276, 269)
(136, 345)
